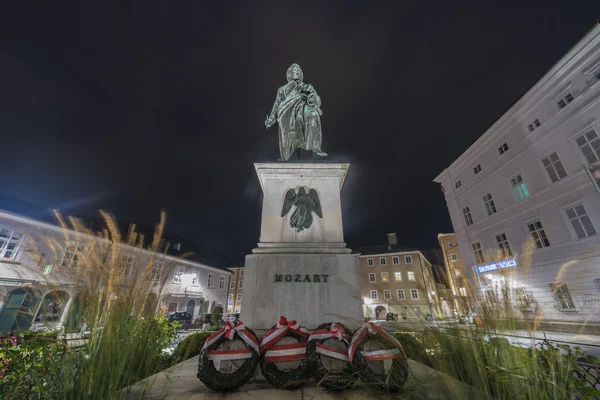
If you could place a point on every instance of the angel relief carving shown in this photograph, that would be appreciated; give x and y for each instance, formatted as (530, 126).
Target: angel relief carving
(305, 203)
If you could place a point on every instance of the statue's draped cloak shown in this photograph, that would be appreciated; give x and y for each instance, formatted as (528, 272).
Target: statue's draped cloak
(299, 122)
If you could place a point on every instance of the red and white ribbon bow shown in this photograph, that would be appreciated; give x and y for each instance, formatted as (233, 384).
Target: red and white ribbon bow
(229, 330)
(335, 331)
(377, 330)
(279, 331)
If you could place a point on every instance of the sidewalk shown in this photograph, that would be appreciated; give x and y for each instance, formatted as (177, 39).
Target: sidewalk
(180, 383)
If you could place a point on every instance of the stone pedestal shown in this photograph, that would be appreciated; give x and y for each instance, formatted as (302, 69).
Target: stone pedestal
(309, 276)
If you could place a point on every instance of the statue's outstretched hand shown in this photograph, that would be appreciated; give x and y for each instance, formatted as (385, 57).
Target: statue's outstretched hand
(269, 121)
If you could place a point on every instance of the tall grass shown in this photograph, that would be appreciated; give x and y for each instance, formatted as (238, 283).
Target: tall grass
(126, 339)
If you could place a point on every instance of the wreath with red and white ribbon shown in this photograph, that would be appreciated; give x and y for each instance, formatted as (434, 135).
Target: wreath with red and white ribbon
(317, 348)
(211, 357)
(273, 353)
(395, 378)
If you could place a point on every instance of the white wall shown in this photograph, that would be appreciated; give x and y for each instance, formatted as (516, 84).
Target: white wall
(569, 259)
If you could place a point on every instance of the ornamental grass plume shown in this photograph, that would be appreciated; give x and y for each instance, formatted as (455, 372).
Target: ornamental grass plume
(111, 301)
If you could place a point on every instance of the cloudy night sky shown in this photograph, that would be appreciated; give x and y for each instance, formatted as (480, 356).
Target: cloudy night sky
(140, 106)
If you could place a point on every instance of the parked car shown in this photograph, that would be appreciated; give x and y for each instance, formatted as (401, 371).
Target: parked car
(181, 316)
(391, 317)
(233, 318)
(206, 318)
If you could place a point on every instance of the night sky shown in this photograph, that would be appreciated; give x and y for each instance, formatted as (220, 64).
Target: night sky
(139, 106)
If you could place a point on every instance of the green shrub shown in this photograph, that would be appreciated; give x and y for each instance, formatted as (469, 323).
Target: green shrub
(34, 364)
(189, 347)
(413, 347)
(217, 315)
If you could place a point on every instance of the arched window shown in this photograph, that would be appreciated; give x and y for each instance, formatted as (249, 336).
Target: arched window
(52, 307)
(17, 311)
(191, 304)
(201, 308)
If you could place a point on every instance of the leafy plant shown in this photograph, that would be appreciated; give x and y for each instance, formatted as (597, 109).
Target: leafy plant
(189, 347)
(34, 364)
(217, 316)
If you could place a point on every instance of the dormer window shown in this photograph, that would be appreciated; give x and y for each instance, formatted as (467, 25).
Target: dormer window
(532, 126)
(564, 100)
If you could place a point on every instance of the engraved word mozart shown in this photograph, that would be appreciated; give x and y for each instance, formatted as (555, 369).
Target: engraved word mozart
(300, 278)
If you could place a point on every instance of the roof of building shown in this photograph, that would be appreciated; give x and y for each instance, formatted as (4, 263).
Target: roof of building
(531, 98)
(186, 249)
(383, 249)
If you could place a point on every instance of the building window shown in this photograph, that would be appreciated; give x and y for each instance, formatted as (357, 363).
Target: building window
(230, 297)
(562, 296)
(370, 262)
(382, 261)
(239, 297)
(374, 295)
(156, 270)
(503, 149)
(538, 234)
(232, 285)
(10, 242)
(462, 291)
(488, 202)
(385, 277)
(477, 169)
(450, 245)
(398, 276)
(70, 257)
(400, 293)
(221, 282)
(408, 259)
(457, 184)
(372, 278)
(589, 143)
(503, 244)
(582, 224)
(564, 100)
(458, 272)
(597, 74)
(240, 284)
(519, 187)
(411, 275)
(127, 261)
(241, 272)
(396, 260)
(414, 294)
(195, 279)
(454, 256)
(478, 251)
(387, 294)
(210, 281)
(467, 216)
(554, 167)
(532, 126)
(178, 274)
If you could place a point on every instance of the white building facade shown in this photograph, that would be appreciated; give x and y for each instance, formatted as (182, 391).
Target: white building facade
(523, 200)
(40, 267)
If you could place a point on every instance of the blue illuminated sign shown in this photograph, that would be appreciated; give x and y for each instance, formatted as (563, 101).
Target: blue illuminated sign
(481, 269)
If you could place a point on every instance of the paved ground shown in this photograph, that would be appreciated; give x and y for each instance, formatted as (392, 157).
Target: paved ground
(180, 383)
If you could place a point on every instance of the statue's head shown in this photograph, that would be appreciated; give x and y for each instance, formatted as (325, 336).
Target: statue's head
(294, 73)
(301, 191)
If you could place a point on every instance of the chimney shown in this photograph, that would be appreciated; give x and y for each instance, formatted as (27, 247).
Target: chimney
(392, 239)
